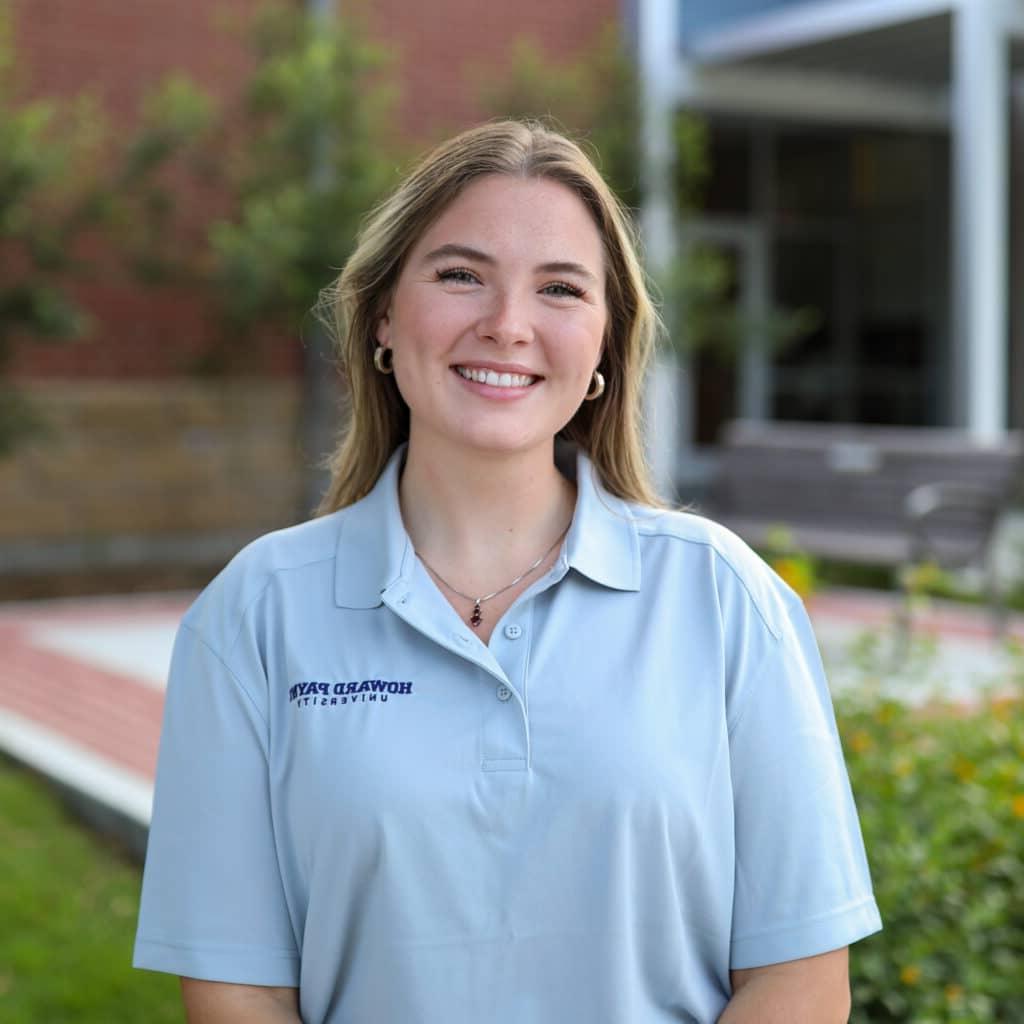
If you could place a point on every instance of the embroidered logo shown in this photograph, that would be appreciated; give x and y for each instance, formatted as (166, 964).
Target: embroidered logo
(315, 694)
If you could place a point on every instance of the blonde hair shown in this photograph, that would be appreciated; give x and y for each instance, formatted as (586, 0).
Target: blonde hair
(609, 429)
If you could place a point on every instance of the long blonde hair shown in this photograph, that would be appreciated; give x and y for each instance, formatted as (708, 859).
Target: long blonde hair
(609, 429)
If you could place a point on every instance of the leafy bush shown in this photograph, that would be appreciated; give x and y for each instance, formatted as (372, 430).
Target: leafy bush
(940, 792)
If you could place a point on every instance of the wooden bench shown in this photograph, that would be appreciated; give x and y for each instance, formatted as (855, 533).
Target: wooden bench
(889, 496)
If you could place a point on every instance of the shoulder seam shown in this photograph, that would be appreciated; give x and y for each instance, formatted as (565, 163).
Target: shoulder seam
(231, 672)
(717, 552)
(270, 573)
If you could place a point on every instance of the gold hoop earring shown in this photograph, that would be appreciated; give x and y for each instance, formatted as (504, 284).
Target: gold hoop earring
(596, 387)
(382, 353)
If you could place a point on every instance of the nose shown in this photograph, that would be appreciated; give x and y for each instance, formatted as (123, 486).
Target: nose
(507, 320)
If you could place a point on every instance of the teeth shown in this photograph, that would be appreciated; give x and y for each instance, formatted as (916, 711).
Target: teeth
(496, 380)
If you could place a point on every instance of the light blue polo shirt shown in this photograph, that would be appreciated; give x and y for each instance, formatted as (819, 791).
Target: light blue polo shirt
(636, 786)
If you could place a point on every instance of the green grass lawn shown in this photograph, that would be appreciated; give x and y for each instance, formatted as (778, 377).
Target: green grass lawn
(68, 902)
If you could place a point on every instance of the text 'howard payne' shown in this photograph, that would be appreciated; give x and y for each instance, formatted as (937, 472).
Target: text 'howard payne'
(325, 694)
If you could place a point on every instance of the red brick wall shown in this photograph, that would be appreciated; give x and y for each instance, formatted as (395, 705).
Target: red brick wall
(118, 51)
(444, 49)
(121, 48)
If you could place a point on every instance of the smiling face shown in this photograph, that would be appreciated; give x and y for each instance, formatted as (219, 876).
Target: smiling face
(497, 318)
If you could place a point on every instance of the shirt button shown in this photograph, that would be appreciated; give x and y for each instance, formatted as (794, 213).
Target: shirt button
(504, 692)
(513, 632)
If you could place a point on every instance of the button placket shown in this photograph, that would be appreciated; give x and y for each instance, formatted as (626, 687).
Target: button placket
(506, 740)
(431, 616)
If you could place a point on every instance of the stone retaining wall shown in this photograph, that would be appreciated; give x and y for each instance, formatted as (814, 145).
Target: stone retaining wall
(135, 465)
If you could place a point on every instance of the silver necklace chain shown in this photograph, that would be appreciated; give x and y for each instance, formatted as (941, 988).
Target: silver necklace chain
(476, 617)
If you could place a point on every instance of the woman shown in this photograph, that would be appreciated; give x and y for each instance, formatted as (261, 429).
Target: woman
(495, 738)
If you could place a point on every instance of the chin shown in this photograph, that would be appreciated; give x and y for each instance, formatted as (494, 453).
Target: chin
(500, 443)
(479, 435)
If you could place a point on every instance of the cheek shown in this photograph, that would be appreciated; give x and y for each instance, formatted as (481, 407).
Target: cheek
(425, 329)
(580, 349)
(419, 365)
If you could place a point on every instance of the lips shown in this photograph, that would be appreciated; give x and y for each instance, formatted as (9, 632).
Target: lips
(494, 378)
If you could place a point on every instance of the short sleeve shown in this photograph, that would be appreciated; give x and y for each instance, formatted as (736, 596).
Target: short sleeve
(802, 885)
(213, 904)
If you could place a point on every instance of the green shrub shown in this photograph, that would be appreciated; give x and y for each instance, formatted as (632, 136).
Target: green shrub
(940, 792)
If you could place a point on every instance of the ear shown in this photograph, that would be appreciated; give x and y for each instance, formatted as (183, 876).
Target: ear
(383, 331)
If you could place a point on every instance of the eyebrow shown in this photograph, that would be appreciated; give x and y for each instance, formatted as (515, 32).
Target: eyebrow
(467, 252)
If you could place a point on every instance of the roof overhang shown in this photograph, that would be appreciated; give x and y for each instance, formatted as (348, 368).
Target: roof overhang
(803, 95)
(877, 62)
(1013, 15)
(798, 26)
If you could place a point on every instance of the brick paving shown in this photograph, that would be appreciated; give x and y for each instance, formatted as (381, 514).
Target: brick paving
(75, 711)
(81, 681)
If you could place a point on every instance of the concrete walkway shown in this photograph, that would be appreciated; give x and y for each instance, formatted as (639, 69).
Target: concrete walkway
(81, 681)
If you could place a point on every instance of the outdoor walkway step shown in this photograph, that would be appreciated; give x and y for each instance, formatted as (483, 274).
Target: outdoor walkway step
(81, 699)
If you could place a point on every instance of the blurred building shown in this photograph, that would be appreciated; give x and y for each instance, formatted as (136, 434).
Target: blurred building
(151, 465)
(868, 163)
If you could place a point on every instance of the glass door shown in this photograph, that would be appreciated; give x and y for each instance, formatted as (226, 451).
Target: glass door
(729, 363)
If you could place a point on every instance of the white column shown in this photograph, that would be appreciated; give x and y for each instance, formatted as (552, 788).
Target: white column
(756, 387)
(1016, 417)
(669, 413)
(980, 152)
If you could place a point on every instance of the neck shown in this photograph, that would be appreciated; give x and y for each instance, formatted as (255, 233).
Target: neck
(481, 519)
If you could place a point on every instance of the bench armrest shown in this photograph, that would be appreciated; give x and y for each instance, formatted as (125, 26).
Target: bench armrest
(926, 500)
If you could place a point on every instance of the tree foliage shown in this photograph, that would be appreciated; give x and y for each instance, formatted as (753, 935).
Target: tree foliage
(48, 198)
(595, 97)
(303, 152)
(253, 199)
(73, 206)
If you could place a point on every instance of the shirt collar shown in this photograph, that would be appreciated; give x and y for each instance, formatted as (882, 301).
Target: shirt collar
(374, 551)
(602, 543)
(373, 548)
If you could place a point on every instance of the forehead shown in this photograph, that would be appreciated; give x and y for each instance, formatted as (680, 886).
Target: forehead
(502, 212)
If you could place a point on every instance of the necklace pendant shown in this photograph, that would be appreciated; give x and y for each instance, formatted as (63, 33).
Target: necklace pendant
(476, 618)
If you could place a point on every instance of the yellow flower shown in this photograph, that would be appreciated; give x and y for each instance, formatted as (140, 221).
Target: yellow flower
(954, 993)
(910, 975)
(885, 714)
(964, 770)
(797, 573)
(920, 578)
(1018, 805)
(903, 767)
(860, 741)
(1004, 708)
